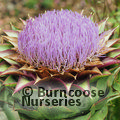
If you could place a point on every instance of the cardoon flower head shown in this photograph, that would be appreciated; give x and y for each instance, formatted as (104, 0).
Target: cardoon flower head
(59, 39)
(51, 44)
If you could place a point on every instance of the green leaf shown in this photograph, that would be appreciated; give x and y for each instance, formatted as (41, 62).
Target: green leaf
(32, 114)
(105, 71)
(112, 94)
(116, 86)
(84, 117)
(114, 53)
(6, 95)
(12, 40)
(3, 66)
(101, 114)
(23, 82)
(98, 105)
(5, 46)
(117, 45)
(6, 53)
(6, 102)
(111, 42)
(53, 112)
(96, 78)
(102, 84)
(109, 61)
(56, 112)
(101, 26)
(13, 27)
(11, 33)
(114, 110)
(10, 82)
(106, 36)
(12, 70)
(12, 62)
(113, 76)
(85, 85)
(3, 115)
(9, 113)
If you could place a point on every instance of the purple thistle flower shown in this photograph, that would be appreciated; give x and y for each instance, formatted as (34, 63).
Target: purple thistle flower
(59, 39)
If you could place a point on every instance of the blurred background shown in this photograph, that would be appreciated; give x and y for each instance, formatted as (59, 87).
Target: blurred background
(12, 10)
